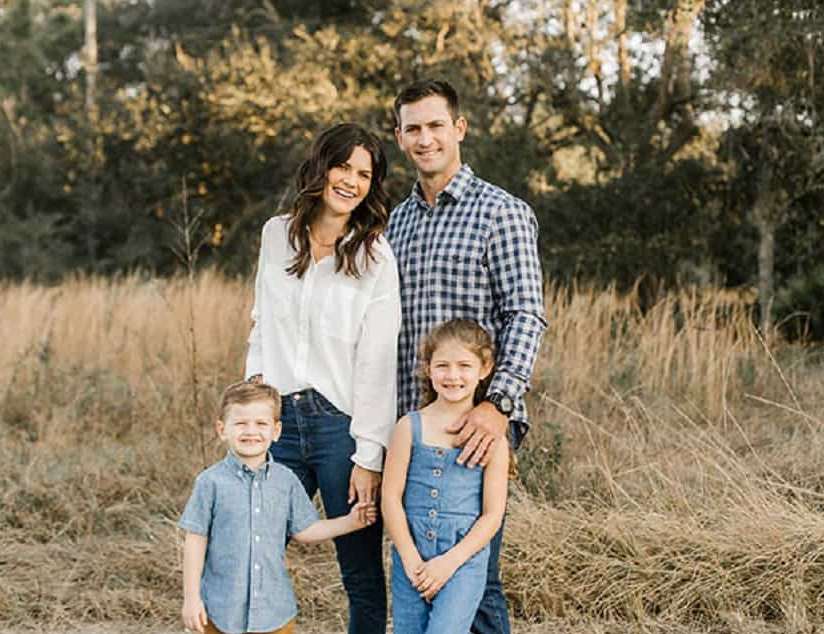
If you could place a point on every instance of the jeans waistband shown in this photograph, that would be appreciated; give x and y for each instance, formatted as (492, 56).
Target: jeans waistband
(310, 401)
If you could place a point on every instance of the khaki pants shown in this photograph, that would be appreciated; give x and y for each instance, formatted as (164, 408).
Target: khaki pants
(289, 628)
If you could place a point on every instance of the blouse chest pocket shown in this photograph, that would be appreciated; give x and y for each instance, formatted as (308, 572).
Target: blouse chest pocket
(342, 311)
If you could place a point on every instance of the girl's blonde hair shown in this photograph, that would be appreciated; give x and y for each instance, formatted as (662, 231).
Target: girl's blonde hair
(466, 332)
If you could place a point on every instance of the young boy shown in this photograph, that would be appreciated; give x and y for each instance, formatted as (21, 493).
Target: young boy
(237, 521)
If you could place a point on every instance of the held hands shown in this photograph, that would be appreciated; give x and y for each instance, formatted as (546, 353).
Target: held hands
(477, 431)
(364, 486)
(194, 615)
(363, 514)
(432, 575)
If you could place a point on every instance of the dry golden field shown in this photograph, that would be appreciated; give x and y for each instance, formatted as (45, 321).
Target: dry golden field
(672, 481)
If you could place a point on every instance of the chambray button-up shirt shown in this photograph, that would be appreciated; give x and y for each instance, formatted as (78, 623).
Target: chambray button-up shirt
(246, 516)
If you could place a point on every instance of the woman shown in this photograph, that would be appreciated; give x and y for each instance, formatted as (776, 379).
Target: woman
(326, 319)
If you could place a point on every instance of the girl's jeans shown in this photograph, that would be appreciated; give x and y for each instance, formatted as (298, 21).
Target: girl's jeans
(315, 444)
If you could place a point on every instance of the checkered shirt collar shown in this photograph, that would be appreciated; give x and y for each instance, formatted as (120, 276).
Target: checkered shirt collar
(455, 188)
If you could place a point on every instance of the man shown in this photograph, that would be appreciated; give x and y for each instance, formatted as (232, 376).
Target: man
(468, 249)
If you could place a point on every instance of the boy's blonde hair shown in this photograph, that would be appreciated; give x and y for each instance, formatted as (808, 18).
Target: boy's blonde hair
(469, 334)
(243, 392)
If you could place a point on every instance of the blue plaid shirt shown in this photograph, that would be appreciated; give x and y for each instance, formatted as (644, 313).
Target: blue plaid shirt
(246, 516)
(474, 255)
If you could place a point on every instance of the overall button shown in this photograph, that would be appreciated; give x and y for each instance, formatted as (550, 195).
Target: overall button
(433, 513)
(439, 452)
(430, 534)
(437, 472)
(434, 493)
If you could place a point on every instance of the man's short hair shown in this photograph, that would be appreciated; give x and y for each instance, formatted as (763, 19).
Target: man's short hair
(427, 88)
(243, 393)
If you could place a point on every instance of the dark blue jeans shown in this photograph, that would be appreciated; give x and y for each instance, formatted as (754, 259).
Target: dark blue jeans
(316, 445)
(492, 616)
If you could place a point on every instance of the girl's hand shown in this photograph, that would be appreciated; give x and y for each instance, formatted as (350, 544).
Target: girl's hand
(413, 567)
(194, 615)
(434, 574)
(363, 514)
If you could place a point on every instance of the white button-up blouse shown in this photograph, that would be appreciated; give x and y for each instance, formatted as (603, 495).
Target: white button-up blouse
(331, 332)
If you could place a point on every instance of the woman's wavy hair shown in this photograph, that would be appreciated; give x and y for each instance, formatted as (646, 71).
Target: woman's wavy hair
(333, 147)
(466, 332)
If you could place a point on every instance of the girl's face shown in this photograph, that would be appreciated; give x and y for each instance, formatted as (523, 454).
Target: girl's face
(347, 184)
(455, 371)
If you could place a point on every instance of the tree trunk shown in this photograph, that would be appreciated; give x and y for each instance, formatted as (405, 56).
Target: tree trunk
(90, 58)
(620, 7)
(766, 273)
(676, 68)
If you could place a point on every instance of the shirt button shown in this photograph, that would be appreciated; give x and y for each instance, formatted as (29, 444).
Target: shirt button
(296, 397)
(433, 513)
(257, 566)
(257, 510)
(437, 473)
(439, 452)
(257, 538)
(434, 493)
(255, 484)
(430, 534)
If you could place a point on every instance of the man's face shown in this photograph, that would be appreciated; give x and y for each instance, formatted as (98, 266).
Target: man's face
(429, 136)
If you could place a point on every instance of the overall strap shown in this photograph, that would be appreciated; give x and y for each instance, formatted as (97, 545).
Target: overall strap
(415, 418)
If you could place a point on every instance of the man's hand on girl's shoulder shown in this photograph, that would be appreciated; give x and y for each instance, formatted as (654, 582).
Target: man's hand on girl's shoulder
(477, 433)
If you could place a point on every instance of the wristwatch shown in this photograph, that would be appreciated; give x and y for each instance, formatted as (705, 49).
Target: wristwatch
(501, 402)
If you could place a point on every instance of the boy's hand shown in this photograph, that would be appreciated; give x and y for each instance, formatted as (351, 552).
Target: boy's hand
(194, 615)
(363, 514)
(434, 574)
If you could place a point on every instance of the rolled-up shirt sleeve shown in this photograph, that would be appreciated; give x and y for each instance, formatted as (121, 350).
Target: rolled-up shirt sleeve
(515, 268)
(375, 379)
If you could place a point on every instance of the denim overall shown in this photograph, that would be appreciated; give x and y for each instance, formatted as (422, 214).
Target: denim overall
(442, 500)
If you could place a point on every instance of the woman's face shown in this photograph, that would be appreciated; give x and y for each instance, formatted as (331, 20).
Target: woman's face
(347, 184)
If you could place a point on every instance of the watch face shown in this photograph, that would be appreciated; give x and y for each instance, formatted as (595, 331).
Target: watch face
(506, 405)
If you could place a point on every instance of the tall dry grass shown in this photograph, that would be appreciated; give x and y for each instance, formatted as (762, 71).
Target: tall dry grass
(671, 480)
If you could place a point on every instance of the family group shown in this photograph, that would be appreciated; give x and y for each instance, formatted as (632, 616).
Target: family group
(387, 366)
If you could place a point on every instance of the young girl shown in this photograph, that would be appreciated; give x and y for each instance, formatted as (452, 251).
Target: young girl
(441, 515)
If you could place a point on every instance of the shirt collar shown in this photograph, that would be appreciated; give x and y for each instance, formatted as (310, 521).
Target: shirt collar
(455, 188)
(241, 470)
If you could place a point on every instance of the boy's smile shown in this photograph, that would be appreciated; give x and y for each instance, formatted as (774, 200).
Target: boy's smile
(248, 430)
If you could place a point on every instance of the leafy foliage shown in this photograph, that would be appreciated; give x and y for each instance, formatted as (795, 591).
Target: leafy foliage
(626, 167)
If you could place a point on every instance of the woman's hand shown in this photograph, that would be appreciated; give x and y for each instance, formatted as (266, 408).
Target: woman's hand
(364, 486)
(434, 574)
(194, 615)
(255, 378)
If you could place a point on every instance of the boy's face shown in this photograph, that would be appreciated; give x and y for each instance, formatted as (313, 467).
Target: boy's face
(249, 429)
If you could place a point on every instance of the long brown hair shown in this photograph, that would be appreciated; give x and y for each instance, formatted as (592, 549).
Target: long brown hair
(466, 332)
(331, 148)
